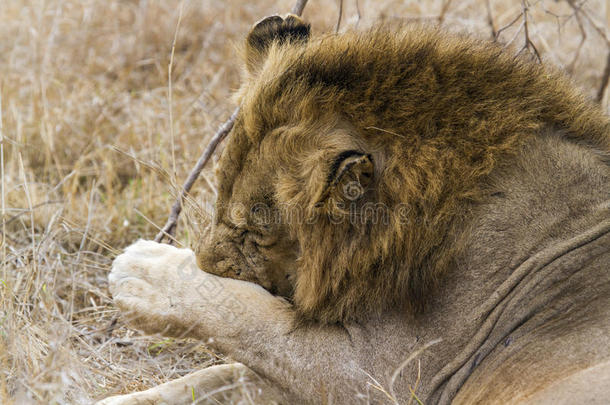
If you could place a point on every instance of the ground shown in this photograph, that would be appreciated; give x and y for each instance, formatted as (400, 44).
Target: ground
(95, 138)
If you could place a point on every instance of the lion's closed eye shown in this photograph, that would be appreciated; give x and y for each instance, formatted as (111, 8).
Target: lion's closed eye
(227, 268)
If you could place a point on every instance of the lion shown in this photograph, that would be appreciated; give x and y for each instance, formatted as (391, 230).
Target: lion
(402, 213)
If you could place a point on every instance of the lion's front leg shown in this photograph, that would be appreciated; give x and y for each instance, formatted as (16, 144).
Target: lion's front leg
(161, 290)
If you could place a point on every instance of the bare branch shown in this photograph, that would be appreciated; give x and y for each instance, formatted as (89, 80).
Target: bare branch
(169, 229)
(490, 19)
(358, 12)
(170, 89)
(528, 42)
(583, 34)
(598, 28)
(441, 16)
(517, 32)
(298, 7)
(339, 16)
(605, 79)
(583, 38)
(507, 26)
(579, 12)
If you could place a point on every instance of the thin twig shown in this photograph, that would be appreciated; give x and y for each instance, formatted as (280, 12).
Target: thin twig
(417, 381)
(90, 210)
(73, 227)
(339, 16)
(150, 221)
(605, 79)
(358, 12)
(377, 385)
(298, 7)
(579, 11)
(441, 16)
(170, 90)
(169, 229)
(598, 28)
(42, 204)
(407, 361)
(490, 19)
(517, 32)
(28, 197)
(583, 35)
(2, 192)
(527, 41)
(507, 26)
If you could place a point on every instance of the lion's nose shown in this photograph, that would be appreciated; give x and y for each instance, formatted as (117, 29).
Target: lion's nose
(221, 258)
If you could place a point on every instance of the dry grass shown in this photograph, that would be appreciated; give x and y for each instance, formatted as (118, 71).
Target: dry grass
(88, 167)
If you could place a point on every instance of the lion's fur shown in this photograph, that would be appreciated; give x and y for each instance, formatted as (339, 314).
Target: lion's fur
(437, 113)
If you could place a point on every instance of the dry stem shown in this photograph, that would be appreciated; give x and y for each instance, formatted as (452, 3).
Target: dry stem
(441, 16)
(578, 8)
(490, 19)
(298, 7)
(527, 41)
(605, 79)
(339, 16)
(169, 229)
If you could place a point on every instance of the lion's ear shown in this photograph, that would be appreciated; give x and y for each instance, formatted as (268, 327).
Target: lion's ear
(350, 174)
(269, 30)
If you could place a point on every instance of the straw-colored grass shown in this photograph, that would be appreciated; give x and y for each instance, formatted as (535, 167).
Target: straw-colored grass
(88, 165)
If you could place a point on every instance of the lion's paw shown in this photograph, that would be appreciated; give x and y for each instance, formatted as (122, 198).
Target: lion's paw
(147, 282)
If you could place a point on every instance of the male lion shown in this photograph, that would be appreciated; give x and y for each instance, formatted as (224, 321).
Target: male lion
(435, 213)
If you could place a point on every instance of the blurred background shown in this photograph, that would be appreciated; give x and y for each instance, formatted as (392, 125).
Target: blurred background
(96, 134)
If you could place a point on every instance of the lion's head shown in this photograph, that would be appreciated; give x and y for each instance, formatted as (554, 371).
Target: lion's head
(348, 177)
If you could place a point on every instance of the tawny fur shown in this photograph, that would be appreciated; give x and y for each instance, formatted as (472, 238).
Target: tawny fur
(435, 112)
